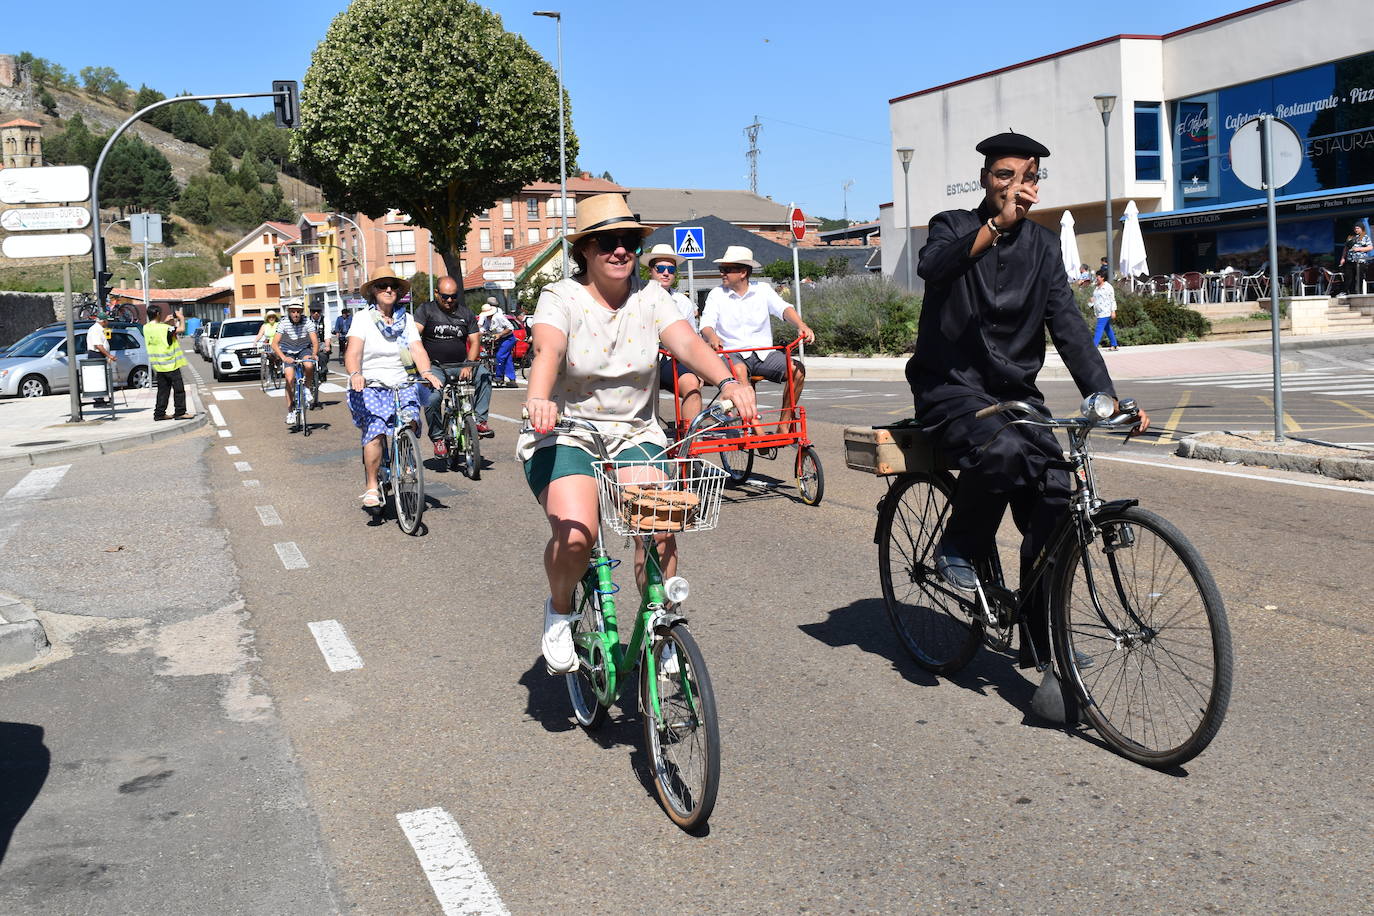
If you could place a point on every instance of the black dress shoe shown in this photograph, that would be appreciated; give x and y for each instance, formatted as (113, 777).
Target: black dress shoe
(957, 572)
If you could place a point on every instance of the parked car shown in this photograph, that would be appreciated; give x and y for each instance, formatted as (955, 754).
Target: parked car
(205, 336)
(233, 350)
(36, 365)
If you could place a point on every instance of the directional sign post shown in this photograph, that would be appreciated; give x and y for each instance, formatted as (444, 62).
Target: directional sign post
(689, 242)
(506, 263)
(45, 219)
(798, 221)
(498, 275)
(53, 184)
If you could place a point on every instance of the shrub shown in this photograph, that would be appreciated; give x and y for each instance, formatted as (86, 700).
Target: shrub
(1142, 318)
(858, 314)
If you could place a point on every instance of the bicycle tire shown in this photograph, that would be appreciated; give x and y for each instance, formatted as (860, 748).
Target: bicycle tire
(587, 708)
(929, 620)
(810, 476)
(684, 755)
(408, 482)
(1182, 664)
(737, 465)
(264, 374)
(472, 449)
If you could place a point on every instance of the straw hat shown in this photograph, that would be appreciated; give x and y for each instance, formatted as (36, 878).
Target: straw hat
(405, 285)
(738, 254)
(661, 252)
(605, 212)
(490, 308)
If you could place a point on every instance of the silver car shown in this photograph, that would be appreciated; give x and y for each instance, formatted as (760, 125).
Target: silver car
(37, 365)
(205, 338)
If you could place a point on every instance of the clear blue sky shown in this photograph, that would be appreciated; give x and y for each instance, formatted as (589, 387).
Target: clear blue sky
(658, 99)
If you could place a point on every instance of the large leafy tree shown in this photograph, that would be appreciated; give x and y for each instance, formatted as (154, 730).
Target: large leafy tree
(430, 108)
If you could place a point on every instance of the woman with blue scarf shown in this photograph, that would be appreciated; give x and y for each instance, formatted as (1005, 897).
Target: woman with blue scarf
(383, 348)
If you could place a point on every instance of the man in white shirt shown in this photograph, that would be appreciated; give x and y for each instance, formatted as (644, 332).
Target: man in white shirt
(737, 316)
(98, 345)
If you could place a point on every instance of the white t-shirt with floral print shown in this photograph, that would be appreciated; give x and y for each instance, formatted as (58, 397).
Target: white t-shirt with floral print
(610, 369)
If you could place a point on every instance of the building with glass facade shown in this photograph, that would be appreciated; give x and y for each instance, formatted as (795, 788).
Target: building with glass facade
(1180, 98)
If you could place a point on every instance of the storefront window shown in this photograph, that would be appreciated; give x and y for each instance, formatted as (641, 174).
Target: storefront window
(1147, 146)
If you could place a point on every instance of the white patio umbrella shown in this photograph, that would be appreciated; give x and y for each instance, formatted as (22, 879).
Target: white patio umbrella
(1132, 263)
(1068, 246)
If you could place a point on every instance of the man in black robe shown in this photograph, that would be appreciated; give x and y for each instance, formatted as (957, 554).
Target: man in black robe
(994, 285)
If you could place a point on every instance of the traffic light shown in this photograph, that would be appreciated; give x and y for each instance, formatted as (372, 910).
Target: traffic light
(286, 102)
(102, 288)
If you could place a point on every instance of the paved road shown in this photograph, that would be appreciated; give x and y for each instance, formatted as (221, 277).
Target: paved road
(852, 781)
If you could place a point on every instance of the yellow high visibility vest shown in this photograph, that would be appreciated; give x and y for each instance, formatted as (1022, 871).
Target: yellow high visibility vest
(163, 354)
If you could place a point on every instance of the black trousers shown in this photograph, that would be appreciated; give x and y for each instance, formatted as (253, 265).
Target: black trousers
(167, 384)
(1355, 274)
(1001, 467)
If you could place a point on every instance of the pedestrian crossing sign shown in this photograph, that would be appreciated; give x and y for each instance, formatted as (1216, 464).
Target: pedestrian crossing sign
(689, 242)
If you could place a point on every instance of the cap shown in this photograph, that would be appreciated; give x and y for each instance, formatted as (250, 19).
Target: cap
(1012, 144)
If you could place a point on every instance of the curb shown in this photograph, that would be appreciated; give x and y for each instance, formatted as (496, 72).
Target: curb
(115, 444)
(1338, 468)
(22, 637)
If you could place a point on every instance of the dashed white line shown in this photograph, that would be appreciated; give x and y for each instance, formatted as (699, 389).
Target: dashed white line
(232, 450)
(497, 416)
(242, 466)
(269, 516)
(252, 483)
(450, 864)
(37, 483)
(290, 555)
(1260, 477)
(338, 650)
(228, 395)
(215, 414)
(277, 393)
(225, 434)
(331, 388)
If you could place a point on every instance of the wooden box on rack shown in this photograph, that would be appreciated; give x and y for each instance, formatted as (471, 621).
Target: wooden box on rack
(888, 450)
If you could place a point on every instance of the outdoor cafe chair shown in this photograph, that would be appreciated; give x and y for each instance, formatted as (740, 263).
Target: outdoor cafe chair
(1307, 279)
(1231, 287)
(1334, 281)
(1192, 287)
(1257, 282)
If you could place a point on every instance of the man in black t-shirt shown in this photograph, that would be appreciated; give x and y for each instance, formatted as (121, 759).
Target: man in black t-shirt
(448, 330)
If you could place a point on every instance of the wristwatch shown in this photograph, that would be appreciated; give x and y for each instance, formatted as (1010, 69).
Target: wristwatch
(997, 233)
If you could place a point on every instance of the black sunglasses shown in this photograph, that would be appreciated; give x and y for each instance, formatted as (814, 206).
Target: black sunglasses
(386, 284)
(608, 242)
(448, 295)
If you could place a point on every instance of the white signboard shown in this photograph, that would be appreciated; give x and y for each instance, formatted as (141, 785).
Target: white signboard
(46, 246)
(53, 184)
(1245, 154)
(498, 275)
(145, 228)
(46, 219)
(499, 284)
(498, 263)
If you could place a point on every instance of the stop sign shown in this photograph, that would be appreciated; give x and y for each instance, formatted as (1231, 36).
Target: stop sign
(798, 224)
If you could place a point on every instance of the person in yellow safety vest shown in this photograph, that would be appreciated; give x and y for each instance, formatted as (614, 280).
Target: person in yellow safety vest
(166, 359)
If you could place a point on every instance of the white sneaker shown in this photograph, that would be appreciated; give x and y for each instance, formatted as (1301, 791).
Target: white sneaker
(290, 417)
(668, 662)
(560, 653)
(309, 398)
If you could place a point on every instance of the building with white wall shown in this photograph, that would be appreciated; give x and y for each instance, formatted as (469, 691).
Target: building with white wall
(1180, 98)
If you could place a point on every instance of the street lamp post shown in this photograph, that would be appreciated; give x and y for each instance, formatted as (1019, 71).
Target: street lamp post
(1105, 104)
(361, 238)
(562, 144)
(905, 153)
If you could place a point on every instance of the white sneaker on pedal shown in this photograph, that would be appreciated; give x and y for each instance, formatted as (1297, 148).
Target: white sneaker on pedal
(560, 653)
(290, 417)
(668, 662)
(309, 398)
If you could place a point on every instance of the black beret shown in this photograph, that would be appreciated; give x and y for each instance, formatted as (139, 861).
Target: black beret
(1012, 144)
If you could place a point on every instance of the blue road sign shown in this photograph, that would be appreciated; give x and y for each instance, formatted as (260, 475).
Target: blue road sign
(689, 242)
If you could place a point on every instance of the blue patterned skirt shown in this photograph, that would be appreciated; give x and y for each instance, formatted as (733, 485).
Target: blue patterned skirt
(372, 409)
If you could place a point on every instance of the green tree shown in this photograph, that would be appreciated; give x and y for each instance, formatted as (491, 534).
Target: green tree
(247, 175)
(195, 200)
(146, 96)
(101, 80)
(836, 266)
(220, 163)
(780, 271)
(828, 224)
(485, 126)
(47, 102)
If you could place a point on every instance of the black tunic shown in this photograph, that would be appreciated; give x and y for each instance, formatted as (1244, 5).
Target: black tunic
(982, 340)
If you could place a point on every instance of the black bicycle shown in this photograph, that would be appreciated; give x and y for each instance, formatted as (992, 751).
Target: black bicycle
(1138, 626)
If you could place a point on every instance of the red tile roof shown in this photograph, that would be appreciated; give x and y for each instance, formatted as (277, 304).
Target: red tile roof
(190, 294)
(523, 256)
(578, 185)
(316, 217)
(20, 122)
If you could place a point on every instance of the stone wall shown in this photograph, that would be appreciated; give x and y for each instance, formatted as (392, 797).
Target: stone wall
(21, 313)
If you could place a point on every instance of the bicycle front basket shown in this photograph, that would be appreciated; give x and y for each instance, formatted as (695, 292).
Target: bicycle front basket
(647, 497)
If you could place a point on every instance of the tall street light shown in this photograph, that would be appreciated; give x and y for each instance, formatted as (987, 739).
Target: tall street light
(1105, 104)
(361, 238)
(562, 144)
(905, 153)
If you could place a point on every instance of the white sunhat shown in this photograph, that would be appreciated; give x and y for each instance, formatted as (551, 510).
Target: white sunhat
(661, 252)
(738, 254)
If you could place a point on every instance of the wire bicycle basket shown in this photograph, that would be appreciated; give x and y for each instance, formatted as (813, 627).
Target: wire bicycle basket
(671, 494)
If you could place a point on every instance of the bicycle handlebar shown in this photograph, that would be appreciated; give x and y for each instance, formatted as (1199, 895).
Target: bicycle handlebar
(1127, 413)
(716, 412)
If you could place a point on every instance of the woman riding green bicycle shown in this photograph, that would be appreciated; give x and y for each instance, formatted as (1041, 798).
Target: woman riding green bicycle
(596, 342)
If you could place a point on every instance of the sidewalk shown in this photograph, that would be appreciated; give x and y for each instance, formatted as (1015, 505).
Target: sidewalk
(36, 430)
(1150, 361)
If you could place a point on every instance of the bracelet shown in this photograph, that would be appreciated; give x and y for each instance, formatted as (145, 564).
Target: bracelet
(997, 234)
(725, 381)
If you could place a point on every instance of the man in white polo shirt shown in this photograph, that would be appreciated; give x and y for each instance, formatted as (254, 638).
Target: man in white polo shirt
(738, 315)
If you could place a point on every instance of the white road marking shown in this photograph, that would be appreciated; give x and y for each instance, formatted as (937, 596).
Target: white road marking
(291, 556)
(232, 450)
(1224, 377)
(37, 483)
(252, 483)
(277, 393)
(497, 416)
(242, 466)
(1260, 477)
(230, 395)
(450, 864)
(215, 414)
(331, 388)
(337, 649)
(269, 516)
(225, 434)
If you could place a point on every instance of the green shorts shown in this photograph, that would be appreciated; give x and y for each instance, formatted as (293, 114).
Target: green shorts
(554, 461)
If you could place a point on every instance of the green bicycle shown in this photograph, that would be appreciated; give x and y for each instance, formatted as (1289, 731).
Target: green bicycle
(459, 423)
(677, 703)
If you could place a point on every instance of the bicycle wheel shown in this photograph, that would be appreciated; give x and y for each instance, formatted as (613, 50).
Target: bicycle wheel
(591, 669)
(929, 617)
(737, 463)
(684, 742)
(408, 481)
(472, 449)
(1152, 656)
(264, 374)
(810, 476)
